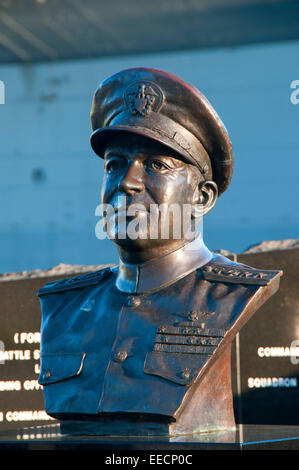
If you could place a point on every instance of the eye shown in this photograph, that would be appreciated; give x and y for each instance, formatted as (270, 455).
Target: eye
(112, 165)
(157, 165)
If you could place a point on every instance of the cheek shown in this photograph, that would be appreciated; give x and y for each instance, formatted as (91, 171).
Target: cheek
(174, 190)
(104, 191)
(107, 189)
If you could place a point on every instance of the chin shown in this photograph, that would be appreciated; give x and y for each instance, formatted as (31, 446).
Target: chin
(140, 244)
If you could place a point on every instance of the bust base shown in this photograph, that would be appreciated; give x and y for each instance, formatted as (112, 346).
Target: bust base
(244, 437)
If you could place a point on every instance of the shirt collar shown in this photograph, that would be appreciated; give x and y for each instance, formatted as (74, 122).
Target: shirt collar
(161, 272)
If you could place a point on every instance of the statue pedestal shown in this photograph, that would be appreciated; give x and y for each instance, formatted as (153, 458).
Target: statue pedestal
(245, 437)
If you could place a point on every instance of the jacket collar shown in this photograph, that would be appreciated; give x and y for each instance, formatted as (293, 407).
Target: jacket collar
(161, 272)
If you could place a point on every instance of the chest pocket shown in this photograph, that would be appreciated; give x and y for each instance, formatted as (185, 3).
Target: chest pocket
(58, 367)
(181, 351)
(178, 368)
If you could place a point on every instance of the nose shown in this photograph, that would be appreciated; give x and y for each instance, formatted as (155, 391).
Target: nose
(132, 181)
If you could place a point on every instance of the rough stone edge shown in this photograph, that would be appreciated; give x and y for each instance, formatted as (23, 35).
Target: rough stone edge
(68, 269)
(264, 246)
(59, 270)
(272, 245)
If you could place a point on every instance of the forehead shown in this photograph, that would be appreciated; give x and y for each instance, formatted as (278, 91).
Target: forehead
(125, 142)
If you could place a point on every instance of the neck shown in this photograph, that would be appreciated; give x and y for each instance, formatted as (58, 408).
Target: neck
(135, 256)
(162, 271)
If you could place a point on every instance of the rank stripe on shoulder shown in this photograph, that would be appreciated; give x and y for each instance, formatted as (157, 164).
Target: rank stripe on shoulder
(238, 274)
(75, 282)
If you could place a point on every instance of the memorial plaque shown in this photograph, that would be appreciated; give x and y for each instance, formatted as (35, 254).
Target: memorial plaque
(21, 397)
(267, 350)
(265, 375)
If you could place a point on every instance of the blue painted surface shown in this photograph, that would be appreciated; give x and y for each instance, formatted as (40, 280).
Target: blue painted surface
(50, 180)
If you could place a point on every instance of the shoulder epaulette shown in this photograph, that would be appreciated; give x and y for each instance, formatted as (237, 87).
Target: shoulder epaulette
(238, 274)
(75, 282)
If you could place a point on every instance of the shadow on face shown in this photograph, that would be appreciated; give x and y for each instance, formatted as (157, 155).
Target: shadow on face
(142, 179)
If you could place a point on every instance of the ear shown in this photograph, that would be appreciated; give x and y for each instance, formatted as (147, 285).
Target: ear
(205, 198)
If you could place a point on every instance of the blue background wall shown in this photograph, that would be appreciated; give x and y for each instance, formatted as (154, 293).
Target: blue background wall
(50, 180)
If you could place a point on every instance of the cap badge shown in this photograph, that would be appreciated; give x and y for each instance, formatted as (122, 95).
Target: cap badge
(143, 98)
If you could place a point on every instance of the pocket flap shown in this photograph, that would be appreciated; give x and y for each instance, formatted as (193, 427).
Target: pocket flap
(178, 368)
(56, 367)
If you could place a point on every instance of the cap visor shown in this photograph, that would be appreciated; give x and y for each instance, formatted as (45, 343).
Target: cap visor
(100, 138)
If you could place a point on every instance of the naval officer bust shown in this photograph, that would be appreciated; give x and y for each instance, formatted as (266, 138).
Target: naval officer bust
(144, 347)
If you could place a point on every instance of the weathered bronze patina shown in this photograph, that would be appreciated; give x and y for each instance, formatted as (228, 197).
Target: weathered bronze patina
(143, 348)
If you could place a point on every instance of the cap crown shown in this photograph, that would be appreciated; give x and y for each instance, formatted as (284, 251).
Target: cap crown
(163, 107)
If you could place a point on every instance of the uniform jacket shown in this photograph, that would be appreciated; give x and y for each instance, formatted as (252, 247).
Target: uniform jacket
(133, 340)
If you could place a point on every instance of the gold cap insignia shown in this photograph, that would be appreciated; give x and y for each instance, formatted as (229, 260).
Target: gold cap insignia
(143, 98)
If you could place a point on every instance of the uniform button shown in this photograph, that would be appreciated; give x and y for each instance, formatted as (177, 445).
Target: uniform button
(185, 374)
(88, 305)
(133, 302)
(120, 356)
(47, 375)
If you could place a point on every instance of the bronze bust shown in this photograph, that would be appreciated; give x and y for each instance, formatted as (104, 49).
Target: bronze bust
(143, 348)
